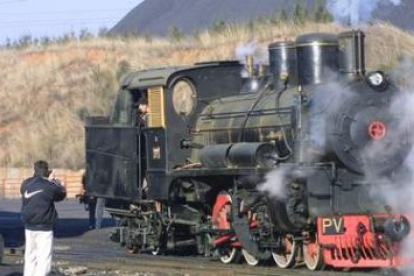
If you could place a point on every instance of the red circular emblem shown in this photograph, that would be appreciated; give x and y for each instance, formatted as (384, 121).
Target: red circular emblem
(377, 130)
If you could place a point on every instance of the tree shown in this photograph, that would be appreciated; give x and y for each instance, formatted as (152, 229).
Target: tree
(85, 34)
(45, 41)
(130, 34)
(148, 37)
(274, 18)
(24, 41)
(123, 67)
(283, 16)
(218, 26)
(65, 38)
(320, 14)
(8, 43)
(176, 34)
(300, 13)
(103, 32)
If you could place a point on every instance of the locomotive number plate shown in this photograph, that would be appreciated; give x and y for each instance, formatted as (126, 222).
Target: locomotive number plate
(333, 226)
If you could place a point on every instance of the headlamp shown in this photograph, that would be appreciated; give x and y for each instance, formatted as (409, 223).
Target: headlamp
(377, 80)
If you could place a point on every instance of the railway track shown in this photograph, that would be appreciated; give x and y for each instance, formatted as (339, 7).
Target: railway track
(188, 265)
(100, 255)
(177, 267)
(95, 251)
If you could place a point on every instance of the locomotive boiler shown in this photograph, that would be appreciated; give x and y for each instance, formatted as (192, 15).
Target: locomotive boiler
(277, 162)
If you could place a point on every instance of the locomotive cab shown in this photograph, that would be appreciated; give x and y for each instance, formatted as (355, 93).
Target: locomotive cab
(117, 146)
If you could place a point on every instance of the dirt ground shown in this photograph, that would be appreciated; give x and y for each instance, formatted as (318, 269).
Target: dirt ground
(81, 251)
(73, 222)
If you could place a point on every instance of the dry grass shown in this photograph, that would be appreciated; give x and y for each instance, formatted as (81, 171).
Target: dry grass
(44, 92)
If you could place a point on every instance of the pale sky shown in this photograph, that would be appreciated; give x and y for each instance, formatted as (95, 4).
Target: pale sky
(56, 17)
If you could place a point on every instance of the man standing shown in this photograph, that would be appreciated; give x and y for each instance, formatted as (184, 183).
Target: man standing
(142, 110)
(39, 217)
(99, 211)
(89, 202)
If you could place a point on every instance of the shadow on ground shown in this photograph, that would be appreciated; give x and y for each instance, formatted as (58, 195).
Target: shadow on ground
(11, 228)
(73, 221)
(72, 227)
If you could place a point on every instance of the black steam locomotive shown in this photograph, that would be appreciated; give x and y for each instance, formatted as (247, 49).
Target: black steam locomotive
(278, 161)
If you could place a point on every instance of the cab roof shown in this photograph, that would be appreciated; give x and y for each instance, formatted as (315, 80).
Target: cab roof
(160, 76)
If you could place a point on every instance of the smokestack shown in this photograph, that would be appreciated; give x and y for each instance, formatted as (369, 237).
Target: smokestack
(352, 54)
(283, 63)
(354, 16)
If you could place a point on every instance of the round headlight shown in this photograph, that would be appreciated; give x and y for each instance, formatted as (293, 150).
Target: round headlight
(377, 80)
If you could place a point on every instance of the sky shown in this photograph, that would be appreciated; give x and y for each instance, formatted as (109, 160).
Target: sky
(53, 18)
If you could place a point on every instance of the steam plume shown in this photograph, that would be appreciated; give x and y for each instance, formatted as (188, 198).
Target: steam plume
(355, 12)
(275, 184)
(252, 49)
(398, 189)
(401, 108)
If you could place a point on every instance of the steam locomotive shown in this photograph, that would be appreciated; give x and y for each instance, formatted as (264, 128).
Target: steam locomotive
(267, 162)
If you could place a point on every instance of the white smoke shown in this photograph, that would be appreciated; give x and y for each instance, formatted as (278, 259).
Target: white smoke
(403, 73)
(275, 184)
(355, 12)
(258, 53)
(251, 49)
(323, 101)
(397, 188)
(243, 50)
(401, 108)
(394, 189)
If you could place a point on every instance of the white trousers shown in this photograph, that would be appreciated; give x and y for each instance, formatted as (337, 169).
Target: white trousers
(38, 253)
(99, 211)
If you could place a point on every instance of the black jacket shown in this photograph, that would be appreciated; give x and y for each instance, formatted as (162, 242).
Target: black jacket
(38, 197)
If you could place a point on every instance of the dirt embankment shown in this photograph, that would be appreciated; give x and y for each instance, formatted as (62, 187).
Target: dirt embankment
(45, 93)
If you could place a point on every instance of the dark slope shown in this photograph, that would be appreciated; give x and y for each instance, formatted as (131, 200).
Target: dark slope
(401, 16)
(158, 17)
